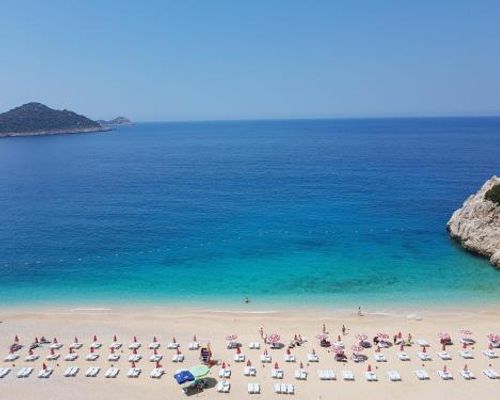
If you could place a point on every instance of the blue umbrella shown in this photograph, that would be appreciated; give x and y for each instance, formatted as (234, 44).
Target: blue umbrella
(183, 377)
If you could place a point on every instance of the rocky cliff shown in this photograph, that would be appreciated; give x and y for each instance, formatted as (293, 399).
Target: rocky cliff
(476, 225)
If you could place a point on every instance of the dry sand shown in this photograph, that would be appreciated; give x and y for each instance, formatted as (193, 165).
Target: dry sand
(214, 326)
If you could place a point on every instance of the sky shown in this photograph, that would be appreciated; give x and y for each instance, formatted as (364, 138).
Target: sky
(203, 60)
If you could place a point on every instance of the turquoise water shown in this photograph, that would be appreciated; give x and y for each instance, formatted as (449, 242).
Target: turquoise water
(332, 212)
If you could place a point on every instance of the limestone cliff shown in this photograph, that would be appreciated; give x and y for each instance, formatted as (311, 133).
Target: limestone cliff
(476, 225)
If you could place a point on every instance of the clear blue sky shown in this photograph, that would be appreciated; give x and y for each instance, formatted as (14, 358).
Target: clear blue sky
(183, 60)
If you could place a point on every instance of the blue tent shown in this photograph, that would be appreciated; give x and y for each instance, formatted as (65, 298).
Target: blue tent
(183, 377)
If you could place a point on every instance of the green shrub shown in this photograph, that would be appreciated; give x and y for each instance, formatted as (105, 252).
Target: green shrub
(493, 194)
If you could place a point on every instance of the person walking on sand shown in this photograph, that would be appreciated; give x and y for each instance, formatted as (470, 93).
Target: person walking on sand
(343, 330)
(261, 331)
(360, 314)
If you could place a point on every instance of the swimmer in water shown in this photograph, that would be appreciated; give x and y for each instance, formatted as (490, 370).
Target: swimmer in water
(247, 300)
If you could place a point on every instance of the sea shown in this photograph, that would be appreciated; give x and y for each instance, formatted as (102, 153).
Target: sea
(333, 213)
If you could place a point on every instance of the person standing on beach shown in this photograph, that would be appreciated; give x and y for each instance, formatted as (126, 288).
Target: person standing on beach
(343, 330)
(359, 311)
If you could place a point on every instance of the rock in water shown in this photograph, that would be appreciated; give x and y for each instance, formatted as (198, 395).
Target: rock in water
(476, 226)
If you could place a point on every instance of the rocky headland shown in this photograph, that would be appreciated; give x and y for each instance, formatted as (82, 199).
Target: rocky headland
(476, 225)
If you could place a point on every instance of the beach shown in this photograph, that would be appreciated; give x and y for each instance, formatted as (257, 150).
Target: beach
(213, 326)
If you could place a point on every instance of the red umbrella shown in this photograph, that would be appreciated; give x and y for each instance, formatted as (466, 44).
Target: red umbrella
(402, 347)
(338, 349)
(95, 338)
(194, 338)
(369, 367)
(16, 339)
(44, 366)
(91, 349)
(154, 339)
(445, 368)
(158, 365)
(361, 337)
(355, 349)
(75, 340)
(321, 336)
(173, 340)
(112, 350)
(276, 366)
(288, 352)
(249, 363)
(52, 351)
(135, 339)
(155, 351)
(238, 351)
(223, 365)
(274, 338)
(55, 340)
(114, 338)
(382, 336)
(133, 364)
(400, 335)
(134, 350)
(466, 368)
(30, 352)
(444, 336)
(301, 365)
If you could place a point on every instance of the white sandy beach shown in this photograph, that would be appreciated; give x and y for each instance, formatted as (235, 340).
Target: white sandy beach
(214, 326)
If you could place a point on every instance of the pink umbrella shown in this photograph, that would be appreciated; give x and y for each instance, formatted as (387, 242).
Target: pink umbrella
(382, 336)
(338, 349)
(494, 338)
(357, 349)
(444, 335)
(369, 369)
(276, 366)
(231, 338)
(321, 336)
(361, 337)
(274, 338)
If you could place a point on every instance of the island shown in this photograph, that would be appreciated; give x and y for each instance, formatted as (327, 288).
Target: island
(476, 225)
(115, 121)
(34, 119)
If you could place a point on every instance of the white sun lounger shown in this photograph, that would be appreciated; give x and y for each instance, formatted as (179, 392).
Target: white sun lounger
(490, 353)
(239, 357)
(266, 358)
(115, 346)
(32, 357)
(154, 345)
(277, 373)
(403, 356)
(11, 357)
(173, 345)
(423, 343)
(326, 374)
(178, 358)
(300, 374)
(92, 372)
(71, 372)
(371, 376)
(53, 357)
(422, 374)
(253, 388)
(284, 388)
(444, 355)
(491, 373)
(467, 375)
(250, 371)
(4, 372)
(113, 357)
(424, 356)
(157, 373)
(24, 372)
(96, 345)
(134, 346)
(55, 346)
(393, 376)
(134, 372)
(223, 387)
(45, 373)
(155, 358)
(290, 389)
(312, 357)
(445, 375)
(112, 373)
(193, 346)
(254, 345)
(347, 376)
(466, 354)
(71, 357)
(92, 356)
(379, 357)
(290, 358)
(224, 373)
(135, 358)
(76, 345)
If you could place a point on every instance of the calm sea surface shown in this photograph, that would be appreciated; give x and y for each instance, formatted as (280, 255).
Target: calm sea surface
(331, 212)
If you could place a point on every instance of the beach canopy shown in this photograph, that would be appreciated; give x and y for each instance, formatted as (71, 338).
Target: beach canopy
(444, 335)
(382, 336)
(199, 371)
(337, 349)
(357, 349)
(231, 338)
(361, 337)
(322, 336)
(184, 376)
(494, 338)
(466, 332)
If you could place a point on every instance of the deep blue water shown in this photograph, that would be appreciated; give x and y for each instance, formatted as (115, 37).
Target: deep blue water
(285, 212)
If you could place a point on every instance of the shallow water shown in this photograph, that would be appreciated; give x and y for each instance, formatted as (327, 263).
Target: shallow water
(289, 213)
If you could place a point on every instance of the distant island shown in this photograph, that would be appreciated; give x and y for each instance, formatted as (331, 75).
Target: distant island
(476, 225)
(33, 119)
(116, 121)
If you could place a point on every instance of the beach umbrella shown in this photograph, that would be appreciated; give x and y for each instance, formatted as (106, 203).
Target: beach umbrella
(338, 349)
(361, 337)
(301, 365)
(400, 335)
(231, 338)
(155, 351)
(238, 351)
(16, 339)
(154, 339)
(494, 338)
(75, 340)
(112, 350)
(52, 351)
(444, 335)
(30, 352)
(44, 366)
(382, 336)
(276, 366)
(369, 369)
(355, 349)
(466, 332)
(466, 368)
(321, 336)
(288, 352)
(199, 371)
(135, 339)
(114, 338)
(134, 350)
(249, 363)
(55, 340)
(133, 364)
(402, 347)
(194, 338)
(158, 365)
(274, 338)
(95, 338)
